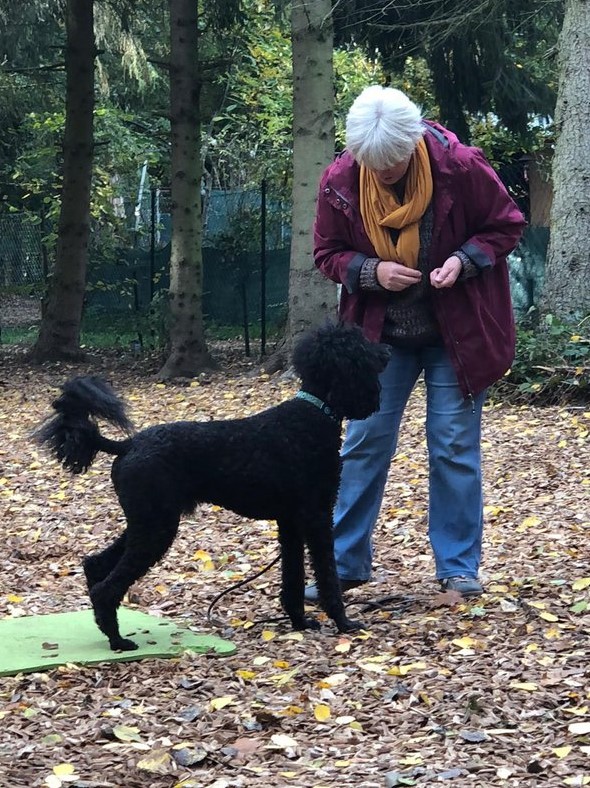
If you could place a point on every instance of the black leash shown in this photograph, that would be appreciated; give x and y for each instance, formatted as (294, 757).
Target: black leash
(404, 601)
(245, 581)
(393, 603)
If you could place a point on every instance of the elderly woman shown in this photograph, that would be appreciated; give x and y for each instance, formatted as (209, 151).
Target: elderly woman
(416, 227)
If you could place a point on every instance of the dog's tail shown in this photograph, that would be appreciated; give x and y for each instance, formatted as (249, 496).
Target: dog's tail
(72, 435)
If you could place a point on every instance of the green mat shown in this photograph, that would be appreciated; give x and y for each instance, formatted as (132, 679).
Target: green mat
(34, 643)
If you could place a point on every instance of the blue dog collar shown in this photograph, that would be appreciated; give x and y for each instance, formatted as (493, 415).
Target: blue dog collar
(318, 403)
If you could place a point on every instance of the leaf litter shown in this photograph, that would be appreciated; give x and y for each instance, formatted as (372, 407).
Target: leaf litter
(493, 691)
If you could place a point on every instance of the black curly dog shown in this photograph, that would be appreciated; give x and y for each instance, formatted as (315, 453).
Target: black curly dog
(282, 464)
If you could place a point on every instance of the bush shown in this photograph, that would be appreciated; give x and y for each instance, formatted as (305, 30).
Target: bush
(552, 363)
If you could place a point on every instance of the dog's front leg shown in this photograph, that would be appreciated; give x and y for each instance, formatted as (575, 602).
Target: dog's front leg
(320, 541)
(293, 574)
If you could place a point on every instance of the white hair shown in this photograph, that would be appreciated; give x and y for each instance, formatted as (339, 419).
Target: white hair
(383, 127)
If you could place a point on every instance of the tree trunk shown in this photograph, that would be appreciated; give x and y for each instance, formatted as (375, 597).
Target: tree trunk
(566, 292)
(59, 334)
(312, 298)
(188, 350)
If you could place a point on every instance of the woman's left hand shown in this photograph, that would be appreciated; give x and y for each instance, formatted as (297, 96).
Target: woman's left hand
(447, 275)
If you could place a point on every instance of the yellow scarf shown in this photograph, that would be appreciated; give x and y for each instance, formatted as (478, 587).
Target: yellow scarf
(380, 209)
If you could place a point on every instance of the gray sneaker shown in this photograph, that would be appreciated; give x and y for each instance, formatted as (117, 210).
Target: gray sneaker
(312, 594)
(466, 586)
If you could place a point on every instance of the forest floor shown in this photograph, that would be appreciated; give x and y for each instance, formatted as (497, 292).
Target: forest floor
(490, 692)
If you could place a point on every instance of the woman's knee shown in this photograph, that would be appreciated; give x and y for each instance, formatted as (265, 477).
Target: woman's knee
(373, 436)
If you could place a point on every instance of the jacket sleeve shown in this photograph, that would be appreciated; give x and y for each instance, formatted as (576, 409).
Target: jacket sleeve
(493, 217)
(331, 234)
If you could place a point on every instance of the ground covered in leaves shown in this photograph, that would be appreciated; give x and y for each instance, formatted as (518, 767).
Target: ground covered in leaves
(494, 692)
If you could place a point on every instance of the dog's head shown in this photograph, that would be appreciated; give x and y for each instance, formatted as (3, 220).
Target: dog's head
(337, 364)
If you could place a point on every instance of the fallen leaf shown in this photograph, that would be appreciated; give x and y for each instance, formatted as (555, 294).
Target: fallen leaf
(403, 670)
(411, 760)
(530, 522)
(246, 746)
(219, 703)
(335, 680)
(126, 733)
(284, 678)
(464, 642)
(157, 762)
(282, 741)
(322, 712)
(52, 738)
(473, 737)
(247, 675)
(65, 772)
(548, 616)
(450, 774)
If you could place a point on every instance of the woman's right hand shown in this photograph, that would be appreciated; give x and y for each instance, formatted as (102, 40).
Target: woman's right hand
(395, 276)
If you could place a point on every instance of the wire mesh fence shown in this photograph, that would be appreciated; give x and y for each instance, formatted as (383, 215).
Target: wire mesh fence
(21, 253)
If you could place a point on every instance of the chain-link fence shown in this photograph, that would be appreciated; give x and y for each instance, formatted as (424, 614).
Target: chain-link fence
(21, 253)
(245, 261)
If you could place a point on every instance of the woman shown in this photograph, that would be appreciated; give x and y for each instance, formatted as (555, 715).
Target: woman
(416, 227)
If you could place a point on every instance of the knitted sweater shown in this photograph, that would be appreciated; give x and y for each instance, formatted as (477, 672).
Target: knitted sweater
(409, 318)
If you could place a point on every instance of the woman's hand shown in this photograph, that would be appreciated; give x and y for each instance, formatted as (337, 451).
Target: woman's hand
(395, 276)
(447, 275)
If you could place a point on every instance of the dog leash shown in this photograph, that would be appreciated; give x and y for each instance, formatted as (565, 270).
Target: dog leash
(216, 622)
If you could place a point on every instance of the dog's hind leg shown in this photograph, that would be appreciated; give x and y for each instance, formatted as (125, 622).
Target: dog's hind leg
(98, 565)
(293, 574)
(320, 542)
(144, 546)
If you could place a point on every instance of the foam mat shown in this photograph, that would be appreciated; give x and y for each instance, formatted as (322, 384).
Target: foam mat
(36, 643)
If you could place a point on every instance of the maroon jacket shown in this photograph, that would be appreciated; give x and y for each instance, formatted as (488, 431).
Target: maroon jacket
(472, 211)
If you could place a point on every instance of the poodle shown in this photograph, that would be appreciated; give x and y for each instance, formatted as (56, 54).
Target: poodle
(281, 464)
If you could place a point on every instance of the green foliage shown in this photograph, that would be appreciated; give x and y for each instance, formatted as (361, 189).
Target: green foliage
(353, 71)
(135, 330)
(491, 57)
(242, 235)
(500, 144)
(415, 79)
(552, 363)
(121, 148)
(249, 135)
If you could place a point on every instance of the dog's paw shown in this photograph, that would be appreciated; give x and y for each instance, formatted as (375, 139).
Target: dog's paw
(306, 623)
(349, 625)
(122, 644)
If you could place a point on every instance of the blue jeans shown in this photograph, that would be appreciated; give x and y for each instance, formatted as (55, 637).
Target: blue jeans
(453, 432)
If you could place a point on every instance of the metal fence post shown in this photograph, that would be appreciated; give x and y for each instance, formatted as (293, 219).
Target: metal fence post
(263, 268)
